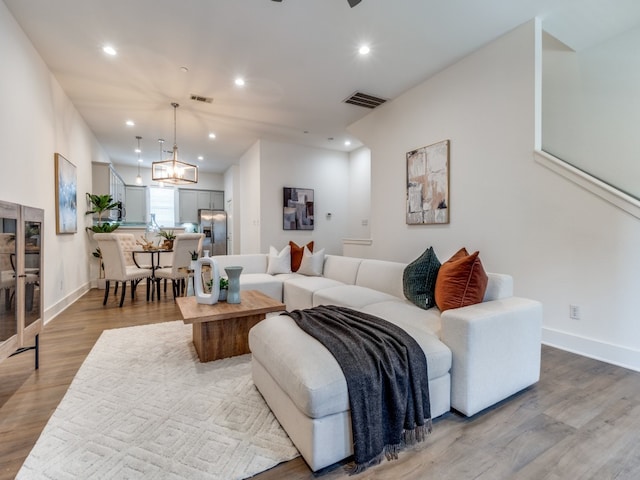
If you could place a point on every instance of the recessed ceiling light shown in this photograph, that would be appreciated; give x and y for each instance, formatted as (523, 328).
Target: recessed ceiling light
(130, 123)
(347, 143)
(200, 157)
(184, 69)
(140, 160)
(212, 135)
(109, 50)
(364, 50)
(239, 81)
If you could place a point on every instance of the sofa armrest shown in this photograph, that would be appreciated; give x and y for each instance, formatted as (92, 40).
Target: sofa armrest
(496, 351)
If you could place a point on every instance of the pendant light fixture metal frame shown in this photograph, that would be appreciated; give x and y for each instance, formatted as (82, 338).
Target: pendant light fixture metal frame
(174, 171)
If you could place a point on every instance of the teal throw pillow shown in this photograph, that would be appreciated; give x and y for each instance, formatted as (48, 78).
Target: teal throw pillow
(419, 279)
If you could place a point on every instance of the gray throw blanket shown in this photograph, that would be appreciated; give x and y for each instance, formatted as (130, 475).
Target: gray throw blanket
(386, 373)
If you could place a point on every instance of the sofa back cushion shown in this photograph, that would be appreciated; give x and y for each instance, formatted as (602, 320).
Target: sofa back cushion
(499, 286)
(342, 269)
(250, 263)
(382, 275)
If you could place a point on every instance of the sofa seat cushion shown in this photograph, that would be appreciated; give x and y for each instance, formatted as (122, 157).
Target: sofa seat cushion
(353, 296)
(298, 291)
(309, 374)
(407, 316)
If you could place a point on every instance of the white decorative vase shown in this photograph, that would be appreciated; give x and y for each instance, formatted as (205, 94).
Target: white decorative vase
(201, 296)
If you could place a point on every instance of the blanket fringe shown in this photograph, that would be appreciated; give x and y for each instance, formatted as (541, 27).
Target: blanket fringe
(355, 468)
(390, 452)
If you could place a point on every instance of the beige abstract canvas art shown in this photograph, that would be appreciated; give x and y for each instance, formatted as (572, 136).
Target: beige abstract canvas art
(428, 184)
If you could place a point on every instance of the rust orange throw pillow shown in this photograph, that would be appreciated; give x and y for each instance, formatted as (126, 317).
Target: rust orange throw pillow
(461, 281)
(296, 254)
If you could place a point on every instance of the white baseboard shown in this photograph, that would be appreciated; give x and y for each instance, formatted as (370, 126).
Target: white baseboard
(61, 305)
(588, 347)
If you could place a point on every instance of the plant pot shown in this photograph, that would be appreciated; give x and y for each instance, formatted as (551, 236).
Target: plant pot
(223, 295)
(167, 245)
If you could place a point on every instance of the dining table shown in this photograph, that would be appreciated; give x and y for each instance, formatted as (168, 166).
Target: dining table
(154, 256)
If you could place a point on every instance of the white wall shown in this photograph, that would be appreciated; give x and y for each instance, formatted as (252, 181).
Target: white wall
(359, 194)
(250, 200)
(562, 244)
(324, 171)
(36, 121)
(232, 207)
(591, 107)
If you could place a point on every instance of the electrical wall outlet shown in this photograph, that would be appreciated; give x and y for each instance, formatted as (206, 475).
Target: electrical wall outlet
(574, 312)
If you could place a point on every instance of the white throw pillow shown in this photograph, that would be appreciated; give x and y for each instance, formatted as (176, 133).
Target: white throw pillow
(312, 263)
(279, 262)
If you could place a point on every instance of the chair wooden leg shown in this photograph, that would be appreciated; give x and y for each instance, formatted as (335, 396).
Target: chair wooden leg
(158, 288)
(124, 291)
(148, 282)
(115, 290)
(134, 284)
(106, 292)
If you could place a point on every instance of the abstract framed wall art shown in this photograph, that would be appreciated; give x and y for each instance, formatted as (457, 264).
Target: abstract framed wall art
(66, 196)
(297, 209)
(428, 184)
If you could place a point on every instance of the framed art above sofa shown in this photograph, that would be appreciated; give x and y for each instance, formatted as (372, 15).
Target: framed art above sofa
(297, 209)
(428, 184)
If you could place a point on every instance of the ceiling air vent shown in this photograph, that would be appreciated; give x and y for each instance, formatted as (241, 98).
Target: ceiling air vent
(364, 100)
(200, 98)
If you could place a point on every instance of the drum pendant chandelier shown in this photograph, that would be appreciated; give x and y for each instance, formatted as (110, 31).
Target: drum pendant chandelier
(174, 171)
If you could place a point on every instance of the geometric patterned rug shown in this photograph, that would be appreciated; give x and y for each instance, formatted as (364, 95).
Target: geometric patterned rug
(143, 406)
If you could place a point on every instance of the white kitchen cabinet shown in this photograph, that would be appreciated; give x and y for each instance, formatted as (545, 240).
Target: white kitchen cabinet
(190, 201)
(135, 204)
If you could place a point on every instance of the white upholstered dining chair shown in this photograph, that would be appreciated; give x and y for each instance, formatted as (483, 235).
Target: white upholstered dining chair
(183, 245)
(116, 268)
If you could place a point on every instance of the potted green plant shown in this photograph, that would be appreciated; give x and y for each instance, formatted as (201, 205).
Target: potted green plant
(98, 254)
(101, 280)
(224, 288)
(194, 259)
(169, 237)
(99, 205)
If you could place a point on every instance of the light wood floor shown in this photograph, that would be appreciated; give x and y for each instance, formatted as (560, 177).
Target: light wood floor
(581, 421)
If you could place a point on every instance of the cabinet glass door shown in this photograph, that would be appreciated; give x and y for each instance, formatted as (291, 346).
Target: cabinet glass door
(8, 279)
(32, 272)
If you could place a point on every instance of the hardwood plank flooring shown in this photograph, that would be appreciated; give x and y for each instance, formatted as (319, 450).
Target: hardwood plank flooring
(581, 421)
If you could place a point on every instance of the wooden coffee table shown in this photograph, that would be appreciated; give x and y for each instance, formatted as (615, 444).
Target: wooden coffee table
(221, 330)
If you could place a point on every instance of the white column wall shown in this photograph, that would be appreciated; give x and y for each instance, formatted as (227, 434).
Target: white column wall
(324, 171)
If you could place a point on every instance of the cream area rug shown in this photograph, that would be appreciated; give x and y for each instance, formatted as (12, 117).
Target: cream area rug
(143, 406)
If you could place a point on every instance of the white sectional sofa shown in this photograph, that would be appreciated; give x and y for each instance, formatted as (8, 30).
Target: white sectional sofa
(477, 355)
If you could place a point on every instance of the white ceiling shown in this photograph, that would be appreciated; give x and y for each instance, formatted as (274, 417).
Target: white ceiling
(299, 58)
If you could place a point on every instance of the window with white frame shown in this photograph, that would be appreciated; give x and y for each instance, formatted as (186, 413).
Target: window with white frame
(162, 204)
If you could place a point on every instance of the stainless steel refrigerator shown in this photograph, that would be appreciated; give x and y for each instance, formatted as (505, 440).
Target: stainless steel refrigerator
(213, 223)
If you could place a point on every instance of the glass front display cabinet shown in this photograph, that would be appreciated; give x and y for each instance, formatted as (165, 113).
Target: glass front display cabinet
(21, 265)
